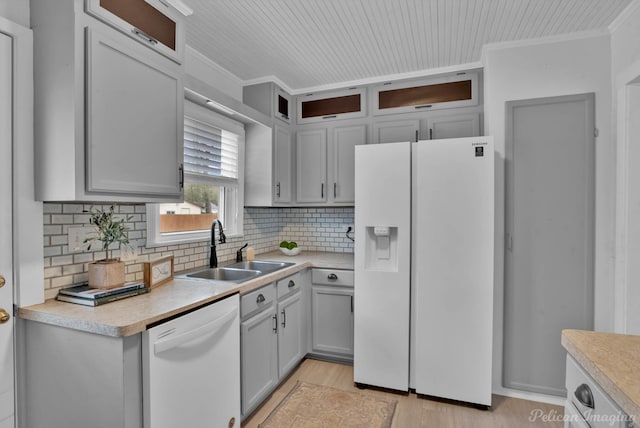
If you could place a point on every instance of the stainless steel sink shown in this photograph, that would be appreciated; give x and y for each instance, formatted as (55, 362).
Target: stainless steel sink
(228, 274)
(262, 266)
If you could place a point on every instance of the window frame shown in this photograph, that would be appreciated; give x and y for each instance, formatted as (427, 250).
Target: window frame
(232, 227)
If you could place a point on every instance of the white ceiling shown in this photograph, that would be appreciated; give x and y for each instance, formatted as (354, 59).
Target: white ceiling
(308, 44)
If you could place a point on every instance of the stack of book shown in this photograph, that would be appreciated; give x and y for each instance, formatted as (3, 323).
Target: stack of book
(85, 295)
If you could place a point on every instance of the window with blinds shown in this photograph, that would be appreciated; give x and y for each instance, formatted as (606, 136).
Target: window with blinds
(213, 162)
(209, 151)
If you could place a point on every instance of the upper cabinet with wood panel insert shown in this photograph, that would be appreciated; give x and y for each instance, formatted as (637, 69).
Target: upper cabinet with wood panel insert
(270, 99)
(433, 93)
(150, 22)
(344, 104)
(108, 110)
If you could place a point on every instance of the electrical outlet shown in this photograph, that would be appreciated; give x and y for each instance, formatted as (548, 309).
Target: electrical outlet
(76, 236)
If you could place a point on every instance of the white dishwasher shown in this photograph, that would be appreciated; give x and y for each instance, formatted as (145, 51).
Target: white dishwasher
(191, 369)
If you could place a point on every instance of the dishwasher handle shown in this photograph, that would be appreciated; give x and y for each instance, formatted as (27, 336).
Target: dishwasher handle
(203, 331)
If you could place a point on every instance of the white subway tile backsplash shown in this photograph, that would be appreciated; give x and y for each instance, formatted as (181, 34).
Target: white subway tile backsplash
(314, 229)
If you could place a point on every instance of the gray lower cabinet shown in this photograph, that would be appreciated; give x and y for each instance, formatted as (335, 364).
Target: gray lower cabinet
(259, 357)
(332, 314)
(77, 379)
(272, 338)
(290, 334)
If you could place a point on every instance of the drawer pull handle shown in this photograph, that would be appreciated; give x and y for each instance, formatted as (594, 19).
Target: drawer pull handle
(332, 276)
(260, 298)
(284, 318)
(291, 283)
(584, 395)
(275, 323)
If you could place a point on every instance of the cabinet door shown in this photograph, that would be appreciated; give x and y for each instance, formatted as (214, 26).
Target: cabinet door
(327, 106)
(134, 121)
(312, 165)
(290, 334)
(282, 164)
(259, 353)
(332, 327)
(454, 126)
(345, 139)
(150, 22)
(396, 131)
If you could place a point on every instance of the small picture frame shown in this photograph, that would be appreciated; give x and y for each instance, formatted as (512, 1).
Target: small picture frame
(158, 271)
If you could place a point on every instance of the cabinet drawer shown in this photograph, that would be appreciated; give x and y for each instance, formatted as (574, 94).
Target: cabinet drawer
(257, 300)
(332, 277)
(288, 285)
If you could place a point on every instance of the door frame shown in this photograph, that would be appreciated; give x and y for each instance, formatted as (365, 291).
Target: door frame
(27, 239)
(628, 92)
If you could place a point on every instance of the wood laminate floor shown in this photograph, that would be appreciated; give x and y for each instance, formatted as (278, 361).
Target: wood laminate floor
(412, 411)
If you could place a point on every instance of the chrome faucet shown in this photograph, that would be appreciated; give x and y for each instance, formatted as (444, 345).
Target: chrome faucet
(213, 258)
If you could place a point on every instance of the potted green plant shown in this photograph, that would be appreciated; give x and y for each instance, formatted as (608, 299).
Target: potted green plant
(108, 272)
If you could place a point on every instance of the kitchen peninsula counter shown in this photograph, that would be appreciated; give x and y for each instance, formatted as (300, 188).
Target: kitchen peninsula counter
(133, 315)
(613, 361)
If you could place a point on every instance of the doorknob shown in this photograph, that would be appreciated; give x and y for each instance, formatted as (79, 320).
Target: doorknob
(2, 281)
(4, 316)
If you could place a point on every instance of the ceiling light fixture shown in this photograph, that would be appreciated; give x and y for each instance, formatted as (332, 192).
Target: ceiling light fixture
(220, 107)
(179, 6)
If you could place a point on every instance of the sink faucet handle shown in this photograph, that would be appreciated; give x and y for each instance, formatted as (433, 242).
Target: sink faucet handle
(222, 238)
(239, 253)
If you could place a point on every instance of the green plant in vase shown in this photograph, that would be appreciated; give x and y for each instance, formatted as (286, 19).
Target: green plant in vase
(109, 229)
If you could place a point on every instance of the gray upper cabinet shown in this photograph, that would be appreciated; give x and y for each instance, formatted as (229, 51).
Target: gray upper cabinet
(326, 106)
(428, 127)
(282, 165)
(345, 139)
(325, 161)
(270, 99)
(453, 126)
(311, 147)
(330, 124)
(394, 131)
(432, 93)
(120, 87)
(268, 166)
(109, 111)
(150, 22)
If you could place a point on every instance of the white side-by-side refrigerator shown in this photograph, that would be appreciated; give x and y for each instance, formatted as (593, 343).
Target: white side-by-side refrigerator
(423, 312)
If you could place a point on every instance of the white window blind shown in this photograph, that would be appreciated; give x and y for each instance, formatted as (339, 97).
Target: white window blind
(209, 151)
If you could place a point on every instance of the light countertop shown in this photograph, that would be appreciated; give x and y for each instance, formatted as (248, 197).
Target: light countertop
(613, 360)
(130, 316)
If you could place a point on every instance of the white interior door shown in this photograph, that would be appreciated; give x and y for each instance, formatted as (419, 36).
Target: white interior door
(549, 257)
(6, 269)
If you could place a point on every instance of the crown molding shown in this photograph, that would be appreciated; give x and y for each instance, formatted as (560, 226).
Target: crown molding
(624, 15)
(541, 41)
(213, 65)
